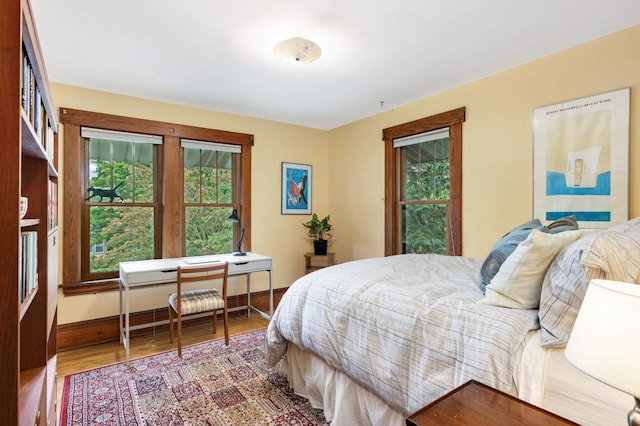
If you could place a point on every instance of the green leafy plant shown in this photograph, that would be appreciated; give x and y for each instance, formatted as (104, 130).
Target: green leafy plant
(318, 228)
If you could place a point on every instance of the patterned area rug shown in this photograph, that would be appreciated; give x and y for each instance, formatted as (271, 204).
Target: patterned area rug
(210, 385)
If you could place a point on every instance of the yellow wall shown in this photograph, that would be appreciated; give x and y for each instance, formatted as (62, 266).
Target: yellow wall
(497, 144)
(348, 162)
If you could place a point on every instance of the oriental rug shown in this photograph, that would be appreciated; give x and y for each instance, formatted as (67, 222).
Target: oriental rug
(211, 385)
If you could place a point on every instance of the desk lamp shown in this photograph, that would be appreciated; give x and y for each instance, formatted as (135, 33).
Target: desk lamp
(234, 218)
(605, 341)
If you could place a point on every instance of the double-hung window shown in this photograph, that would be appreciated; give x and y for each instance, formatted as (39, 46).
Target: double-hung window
(423, 191)
(140, 189)
(423, 185)
(121, 209)
(210, 194)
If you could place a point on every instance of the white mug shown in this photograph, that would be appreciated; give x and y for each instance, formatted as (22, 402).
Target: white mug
(24, 205)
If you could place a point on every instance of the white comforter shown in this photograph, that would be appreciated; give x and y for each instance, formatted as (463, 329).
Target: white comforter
(406, 327)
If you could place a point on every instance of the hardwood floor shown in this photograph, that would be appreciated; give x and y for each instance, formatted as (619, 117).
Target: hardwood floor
(81, 359)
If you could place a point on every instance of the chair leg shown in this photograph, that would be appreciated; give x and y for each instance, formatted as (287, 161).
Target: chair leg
(226, 325)
(215, 320)
(170, 324)
(179, 334)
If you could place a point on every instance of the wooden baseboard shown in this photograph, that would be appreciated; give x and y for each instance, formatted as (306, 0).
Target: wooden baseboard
(101, 330)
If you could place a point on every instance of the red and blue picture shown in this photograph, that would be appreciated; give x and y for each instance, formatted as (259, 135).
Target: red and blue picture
(296, 188)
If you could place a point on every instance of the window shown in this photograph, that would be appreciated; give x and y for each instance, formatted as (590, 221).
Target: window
(424, 190)
(99, 248)
(423, 176)
(209, 178)
(121, 207)
(140, 189)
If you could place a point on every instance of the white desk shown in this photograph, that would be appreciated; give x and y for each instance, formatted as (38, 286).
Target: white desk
(155, 272)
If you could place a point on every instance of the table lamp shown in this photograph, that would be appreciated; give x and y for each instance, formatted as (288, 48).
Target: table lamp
(234, 218)
(605, 341)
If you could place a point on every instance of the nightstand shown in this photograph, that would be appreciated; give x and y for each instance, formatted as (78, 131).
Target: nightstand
(476, 404)
(313, 262)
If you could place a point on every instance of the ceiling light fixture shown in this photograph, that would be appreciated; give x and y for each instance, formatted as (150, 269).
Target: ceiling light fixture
(298, 50)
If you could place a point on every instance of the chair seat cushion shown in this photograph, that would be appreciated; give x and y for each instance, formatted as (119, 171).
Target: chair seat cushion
(198, 301)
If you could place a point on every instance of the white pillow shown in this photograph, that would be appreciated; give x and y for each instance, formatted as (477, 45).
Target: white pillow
(518, 283)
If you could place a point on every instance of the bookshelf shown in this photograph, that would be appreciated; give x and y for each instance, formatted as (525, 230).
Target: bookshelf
(29, 245)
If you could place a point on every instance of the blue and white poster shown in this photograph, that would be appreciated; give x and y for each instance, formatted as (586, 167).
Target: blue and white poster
(581, 160)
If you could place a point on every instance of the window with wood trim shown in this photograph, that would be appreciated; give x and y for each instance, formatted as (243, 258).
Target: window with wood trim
(133, 190)
(423, 185)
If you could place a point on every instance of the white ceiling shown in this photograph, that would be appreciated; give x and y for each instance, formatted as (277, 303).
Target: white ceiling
(218, 54)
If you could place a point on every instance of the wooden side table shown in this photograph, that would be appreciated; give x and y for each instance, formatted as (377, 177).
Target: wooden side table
(476, 404)
(313, 262)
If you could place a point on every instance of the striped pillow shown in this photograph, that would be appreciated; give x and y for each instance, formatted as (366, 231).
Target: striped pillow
(617, 253)
(612, 254)
(563, 290)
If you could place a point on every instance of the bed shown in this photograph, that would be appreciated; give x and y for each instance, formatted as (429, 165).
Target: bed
(374, 340)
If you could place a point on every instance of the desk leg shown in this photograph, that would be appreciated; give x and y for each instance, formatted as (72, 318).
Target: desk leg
(126, 324)
(124, 318)
(250, 307)
(249, 295)
(270, 297)
(120, 318)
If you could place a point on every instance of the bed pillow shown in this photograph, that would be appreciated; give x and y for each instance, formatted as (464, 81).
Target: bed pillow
(567, 223)
(563, 290)
(616, 253)
(502, 249)
(518, 283)
(508, 243)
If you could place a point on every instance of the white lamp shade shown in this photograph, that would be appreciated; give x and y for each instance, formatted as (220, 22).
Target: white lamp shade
(605, 341)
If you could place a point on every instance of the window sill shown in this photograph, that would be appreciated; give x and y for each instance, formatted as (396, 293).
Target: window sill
(90, 287)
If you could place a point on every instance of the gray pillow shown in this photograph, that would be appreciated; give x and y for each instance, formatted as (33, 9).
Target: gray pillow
(567, 223)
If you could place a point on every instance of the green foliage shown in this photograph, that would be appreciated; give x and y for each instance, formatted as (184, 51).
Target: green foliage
(128, 233)
(425, 228)
(317, 228)
(427, 181)
(208, 231)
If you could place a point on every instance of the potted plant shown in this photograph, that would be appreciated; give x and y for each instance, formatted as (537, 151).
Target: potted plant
(318, 229)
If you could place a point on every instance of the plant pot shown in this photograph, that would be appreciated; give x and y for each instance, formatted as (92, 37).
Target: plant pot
(320, 247)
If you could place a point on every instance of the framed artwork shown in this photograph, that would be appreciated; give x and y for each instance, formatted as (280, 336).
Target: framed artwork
(581, 160)
(296, 188)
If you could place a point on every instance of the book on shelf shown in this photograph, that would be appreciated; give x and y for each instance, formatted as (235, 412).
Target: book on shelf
(50, 141)
(29, 275)
(37, 111)
(26, 81)
(32, 96)
(32, 99)
(52, 210)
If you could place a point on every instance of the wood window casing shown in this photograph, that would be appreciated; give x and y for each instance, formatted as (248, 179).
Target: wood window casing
(171, 196)
(453, 120)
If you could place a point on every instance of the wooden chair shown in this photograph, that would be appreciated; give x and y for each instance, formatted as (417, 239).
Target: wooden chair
(196, 301)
